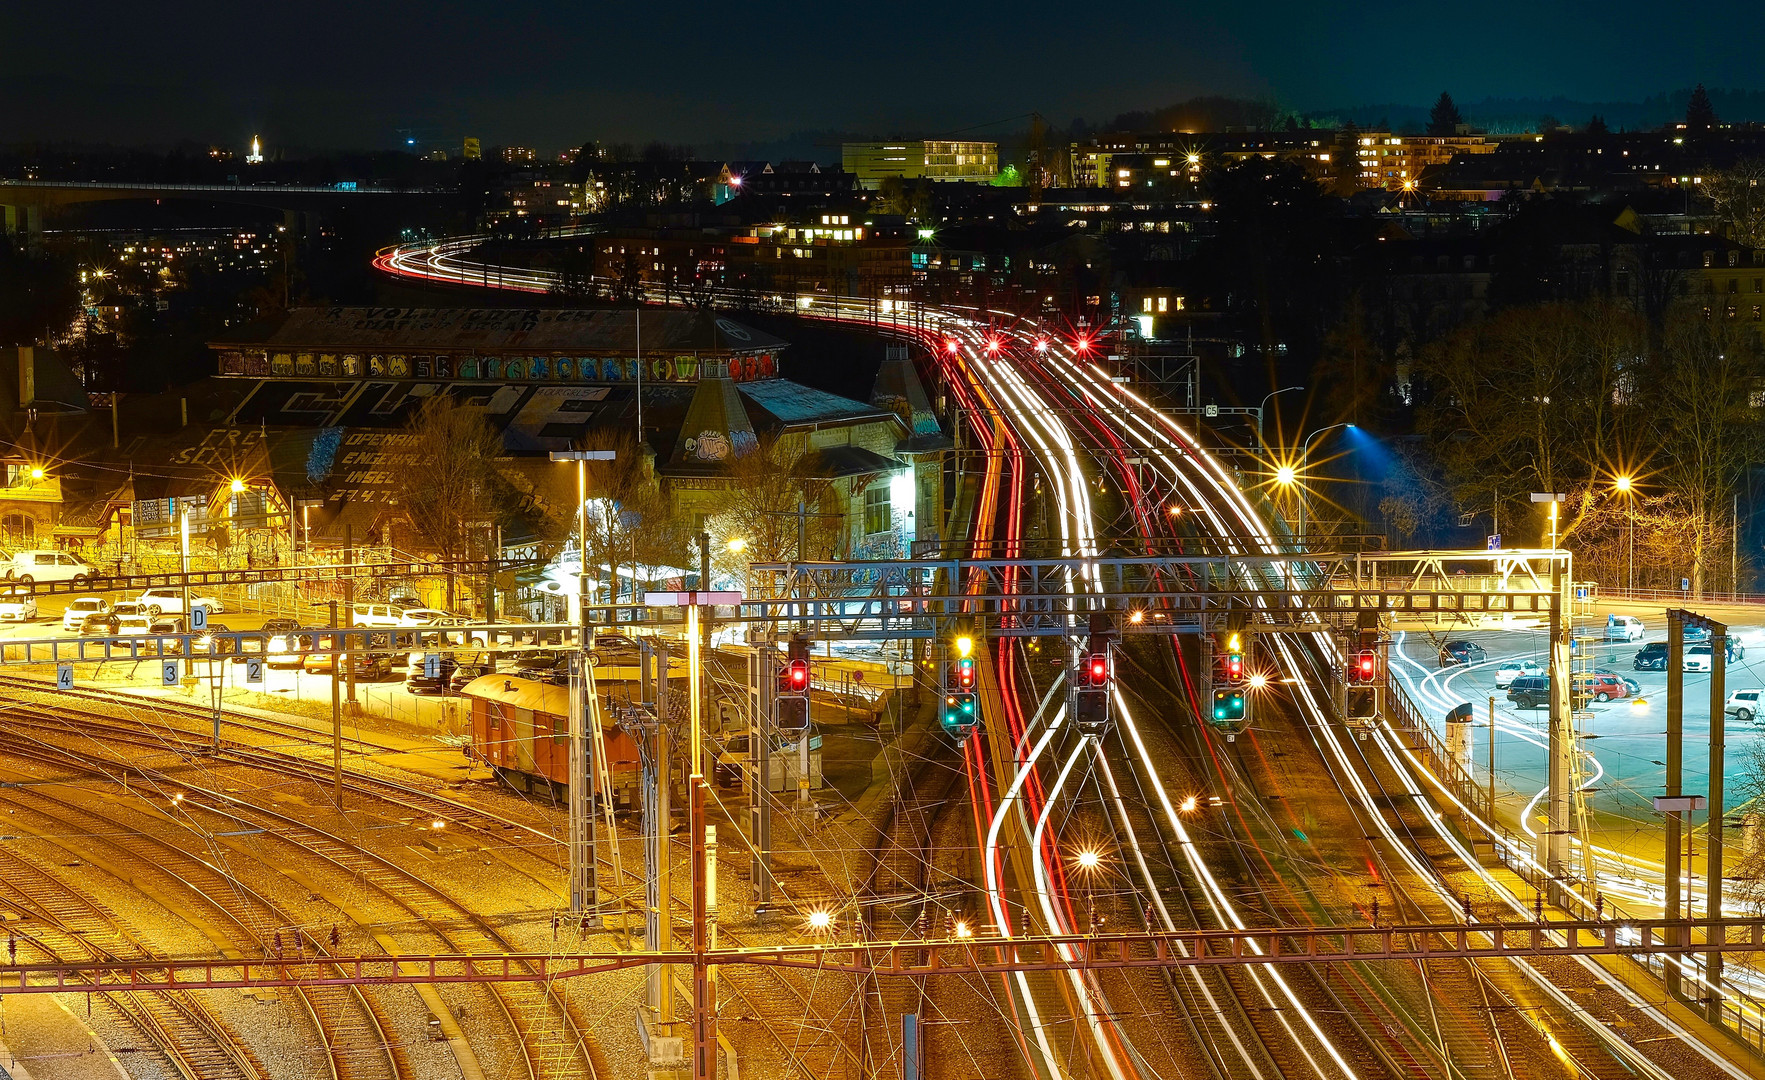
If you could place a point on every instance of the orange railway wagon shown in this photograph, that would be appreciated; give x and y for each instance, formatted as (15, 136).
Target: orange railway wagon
(521, 729)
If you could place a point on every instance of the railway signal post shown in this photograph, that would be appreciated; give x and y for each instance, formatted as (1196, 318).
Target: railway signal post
(584, 891)
(704, 1020)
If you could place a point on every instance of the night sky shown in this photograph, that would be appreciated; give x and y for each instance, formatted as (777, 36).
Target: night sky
(553, 73)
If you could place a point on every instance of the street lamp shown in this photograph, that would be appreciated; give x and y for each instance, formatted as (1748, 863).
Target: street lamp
(1304, 470)
(1264, 443)
(584, 893)
(1626, 486)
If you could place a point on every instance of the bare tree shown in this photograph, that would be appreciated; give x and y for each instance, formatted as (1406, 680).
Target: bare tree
(778, 507)
(1702, 397)
(1535, 400)
(1739, 196)
(449, 486)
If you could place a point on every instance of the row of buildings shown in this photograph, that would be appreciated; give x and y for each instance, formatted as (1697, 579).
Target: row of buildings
(303, 438)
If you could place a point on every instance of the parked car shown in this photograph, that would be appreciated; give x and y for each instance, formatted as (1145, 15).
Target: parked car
(209, 644)
(1623, 628)
(17, 605)
(30, 566)
(289, 650)
(99, 624)
(1697, 657)
(1743, 704)
(132, 626)
(1600, 687)
(367, 666)
(376, 615)
(1513, 669)
(469, 666)
(1651, 657)
(74, 617)
(423, 616)
(1631, 687)
(260, 646)
(1461, 652)
(544, 666)
(417, 680)
(1530, 691)
(169, 601)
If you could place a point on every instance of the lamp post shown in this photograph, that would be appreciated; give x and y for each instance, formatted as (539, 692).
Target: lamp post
(584, 893)
(1303, 474)
(1260, 441)
(704, 1023)
(1626, 487)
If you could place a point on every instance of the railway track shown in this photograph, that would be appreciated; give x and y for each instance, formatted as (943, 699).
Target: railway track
(354, 1032)
(551, 1040)
(58, 922)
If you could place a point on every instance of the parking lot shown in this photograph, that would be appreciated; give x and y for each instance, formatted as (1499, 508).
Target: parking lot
(1626, 738)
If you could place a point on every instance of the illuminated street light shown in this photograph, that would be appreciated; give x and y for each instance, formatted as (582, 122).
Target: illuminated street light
(820, 919)
(950, 346)
(1188, 805)
(1625, 485)
(238, 485)
(1137, 616)
(1258, 681)
(964, 645)
(1088, 859)
(737, 545)
(1285, 476)
(1041, 345)
(36, 472)
(963, 930)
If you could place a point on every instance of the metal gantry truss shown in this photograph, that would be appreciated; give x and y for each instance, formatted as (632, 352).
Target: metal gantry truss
(931, 956)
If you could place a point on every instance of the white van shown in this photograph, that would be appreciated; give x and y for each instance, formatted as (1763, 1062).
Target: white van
(29, 566)
(376, 615)
(1623, 628)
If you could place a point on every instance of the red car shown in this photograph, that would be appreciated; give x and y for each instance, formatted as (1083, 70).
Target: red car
(1602, 687)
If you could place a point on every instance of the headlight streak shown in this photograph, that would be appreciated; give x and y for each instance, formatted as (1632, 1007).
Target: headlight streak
(1191, 466)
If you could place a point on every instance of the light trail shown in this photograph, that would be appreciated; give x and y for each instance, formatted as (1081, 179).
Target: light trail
(1218, 502)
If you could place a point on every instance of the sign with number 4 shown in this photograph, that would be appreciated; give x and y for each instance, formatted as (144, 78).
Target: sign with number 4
(64, 676)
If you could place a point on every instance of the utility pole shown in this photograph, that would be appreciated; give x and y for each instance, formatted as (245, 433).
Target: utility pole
(1675, 759)
(704, 1021)
(763, 687)
(336, 714)
(342, 659)
(1713, 842)
(585, 730)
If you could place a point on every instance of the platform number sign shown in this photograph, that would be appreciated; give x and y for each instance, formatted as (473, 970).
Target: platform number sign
(431, 665)
(199, 617)
(254, 670)
(168, 673)
(64, 676)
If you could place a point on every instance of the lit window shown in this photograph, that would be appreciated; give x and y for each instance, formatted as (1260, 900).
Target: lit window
(1146, 303)
(1163, 305)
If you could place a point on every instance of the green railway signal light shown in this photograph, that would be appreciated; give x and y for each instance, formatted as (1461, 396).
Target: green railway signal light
(1228, 705)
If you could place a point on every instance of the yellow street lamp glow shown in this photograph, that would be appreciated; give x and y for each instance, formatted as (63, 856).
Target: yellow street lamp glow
(1088, 859)
(1258, 681)
(1623, 484)
(238, 485)
(964, 645)
(1137, 616)
(36, 472)
(1188, 805)
(962, 930)
(737, 545)
(820, 920)
(1285, 476)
